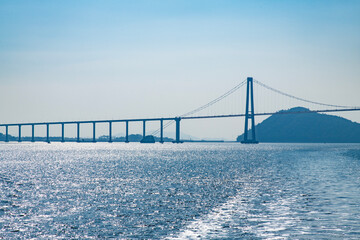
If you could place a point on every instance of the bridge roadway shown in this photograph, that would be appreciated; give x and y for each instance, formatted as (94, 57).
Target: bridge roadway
(273, 113)
(144, 120)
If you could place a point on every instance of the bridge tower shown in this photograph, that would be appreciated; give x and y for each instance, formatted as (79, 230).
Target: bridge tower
(249, 114)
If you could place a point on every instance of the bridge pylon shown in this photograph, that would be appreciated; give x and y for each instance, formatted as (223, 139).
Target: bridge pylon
(177, 135)
(249, 114)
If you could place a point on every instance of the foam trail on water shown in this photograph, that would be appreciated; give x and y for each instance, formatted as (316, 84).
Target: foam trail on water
(277, 219)
(269, 220)
(217, 222)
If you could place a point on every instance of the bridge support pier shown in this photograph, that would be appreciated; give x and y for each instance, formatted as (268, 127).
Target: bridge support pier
(47, 133)
(78, 132)
(161, 131)
(249, 114)
(19, 140)
(33, 133)
(6, 133)
(127, 132)
(110, 132)
(144, 129)
(62, 133)
(94, 132)
(177, 137)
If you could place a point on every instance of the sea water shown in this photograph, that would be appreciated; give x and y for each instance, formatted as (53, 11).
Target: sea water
(179, 191)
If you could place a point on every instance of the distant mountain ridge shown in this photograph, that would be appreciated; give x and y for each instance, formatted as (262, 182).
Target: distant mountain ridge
(307, 128)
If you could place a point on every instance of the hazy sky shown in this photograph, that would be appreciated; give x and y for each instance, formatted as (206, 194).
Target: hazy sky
(82, 60)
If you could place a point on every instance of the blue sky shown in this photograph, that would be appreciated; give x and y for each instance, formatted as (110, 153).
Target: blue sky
(79, 60)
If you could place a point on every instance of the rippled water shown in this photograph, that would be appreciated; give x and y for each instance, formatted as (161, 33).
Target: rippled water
(205, 191)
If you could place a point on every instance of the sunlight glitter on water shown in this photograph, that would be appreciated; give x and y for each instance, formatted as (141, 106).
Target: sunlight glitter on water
(194, 191)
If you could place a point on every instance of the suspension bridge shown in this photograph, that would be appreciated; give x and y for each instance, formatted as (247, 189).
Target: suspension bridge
(249, 114)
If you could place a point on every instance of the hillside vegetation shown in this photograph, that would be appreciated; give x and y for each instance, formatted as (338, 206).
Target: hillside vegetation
(307, 128)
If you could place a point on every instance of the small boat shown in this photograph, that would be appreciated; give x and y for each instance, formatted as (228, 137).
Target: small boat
(148, 139)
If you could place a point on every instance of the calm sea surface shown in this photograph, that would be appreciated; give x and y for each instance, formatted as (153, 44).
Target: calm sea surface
(183, 191)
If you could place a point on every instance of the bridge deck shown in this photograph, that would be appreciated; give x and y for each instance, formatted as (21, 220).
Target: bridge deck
(174, 118)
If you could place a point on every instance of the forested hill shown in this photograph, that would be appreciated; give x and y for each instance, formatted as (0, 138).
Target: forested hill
(307, 128)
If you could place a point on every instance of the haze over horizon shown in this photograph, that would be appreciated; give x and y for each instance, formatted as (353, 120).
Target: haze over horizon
(89, 60)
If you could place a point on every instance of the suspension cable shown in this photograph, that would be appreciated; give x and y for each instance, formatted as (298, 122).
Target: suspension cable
(215, 100)
(165, 126)
(231, 91)
(297, 98)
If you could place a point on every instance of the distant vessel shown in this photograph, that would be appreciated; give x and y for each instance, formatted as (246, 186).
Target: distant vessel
(148, 139)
